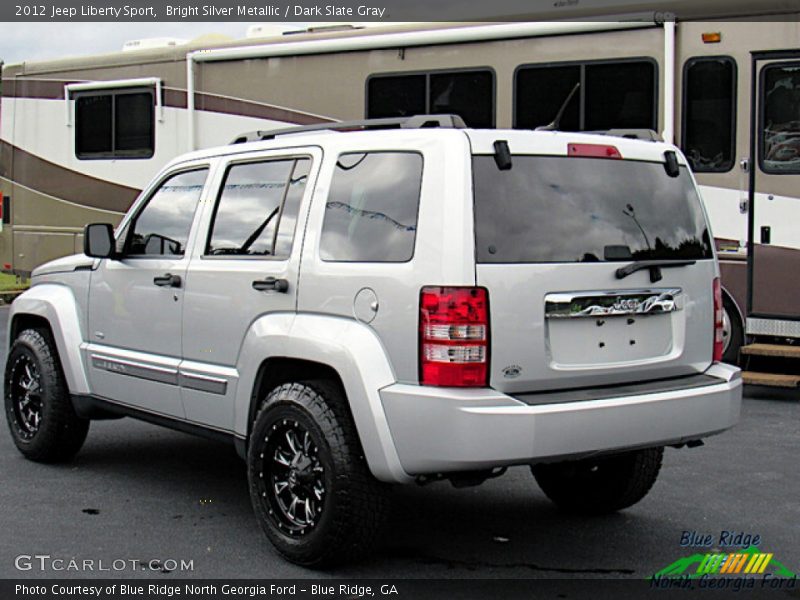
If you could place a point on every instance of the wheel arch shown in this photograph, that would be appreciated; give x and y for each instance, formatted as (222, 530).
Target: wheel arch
(284, 347)
(22, 321)
(53, 307)
(277, 370)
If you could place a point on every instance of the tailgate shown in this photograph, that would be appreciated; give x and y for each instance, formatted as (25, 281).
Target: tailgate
(553, 232)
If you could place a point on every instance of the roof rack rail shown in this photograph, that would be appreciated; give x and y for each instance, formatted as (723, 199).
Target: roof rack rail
(415, 122)
(633, 134)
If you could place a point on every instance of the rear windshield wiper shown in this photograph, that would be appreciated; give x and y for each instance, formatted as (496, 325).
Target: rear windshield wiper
(653, 265)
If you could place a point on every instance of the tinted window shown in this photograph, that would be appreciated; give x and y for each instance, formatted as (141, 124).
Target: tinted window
(162, 227)
(619, 95)
(115, 124)
(709, 93)
(93, 125)
(133, 123)
(291, 208)
(540, 93)
(371, 213)
(559, 209)
(469, 94)
(249, 208)
(396, 96)
(780, 135)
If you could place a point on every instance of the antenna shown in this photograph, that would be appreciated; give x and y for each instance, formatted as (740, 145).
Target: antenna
(553, 125)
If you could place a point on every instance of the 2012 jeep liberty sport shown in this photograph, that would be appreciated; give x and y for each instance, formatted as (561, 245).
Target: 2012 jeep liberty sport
(383, 305)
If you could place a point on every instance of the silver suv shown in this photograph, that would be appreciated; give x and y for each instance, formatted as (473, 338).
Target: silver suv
(400, 302)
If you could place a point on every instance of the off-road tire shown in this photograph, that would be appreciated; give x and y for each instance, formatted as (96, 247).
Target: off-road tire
(600, 485)
(354, 503)
(60, 432)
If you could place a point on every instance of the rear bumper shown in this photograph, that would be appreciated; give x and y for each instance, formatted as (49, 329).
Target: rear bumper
(440, 430)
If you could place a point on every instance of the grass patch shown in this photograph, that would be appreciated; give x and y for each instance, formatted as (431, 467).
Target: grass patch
(10, 283)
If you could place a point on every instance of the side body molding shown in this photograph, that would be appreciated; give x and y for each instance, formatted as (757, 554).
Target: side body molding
(349, 347)
(56, 303)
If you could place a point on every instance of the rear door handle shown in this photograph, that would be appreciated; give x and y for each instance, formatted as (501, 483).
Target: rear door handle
(271, 283)
(168, 280)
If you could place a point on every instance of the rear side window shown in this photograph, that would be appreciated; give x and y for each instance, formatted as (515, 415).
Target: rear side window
(162, 227)
(255, 200)
(371, 212)
(709, 104)
(568, 209)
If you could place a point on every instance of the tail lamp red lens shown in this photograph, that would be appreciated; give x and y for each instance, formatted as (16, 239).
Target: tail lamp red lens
(454, 336)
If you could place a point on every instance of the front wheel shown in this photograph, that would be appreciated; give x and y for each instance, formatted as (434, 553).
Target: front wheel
(40, 415)
(310, 485)
(595, 486)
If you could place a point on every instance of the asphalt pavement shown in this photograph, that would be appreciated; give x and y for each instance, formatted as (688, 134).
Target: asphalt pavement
(139, 493)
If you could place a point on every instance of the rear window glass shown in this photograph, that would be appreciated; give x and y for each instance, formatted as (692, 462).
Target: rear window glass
(560, 209)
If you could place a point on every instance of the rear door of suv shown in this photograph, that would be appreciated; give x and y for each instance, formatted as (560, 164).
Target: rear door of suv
(554, 233)
(245, 265)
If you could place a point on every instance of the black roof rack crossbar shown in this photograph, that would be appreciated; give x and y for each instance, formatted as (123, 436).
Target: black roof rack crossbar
(415, 122)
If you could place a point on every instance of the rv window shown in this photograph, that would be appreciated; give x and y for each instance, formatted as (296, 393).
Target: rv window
(133, 123)
(93, 125)
(114, 124)
(371, 213)
(255, 201)
(401, 96)
(467, 93)
(618, 94)
(780, 121)
(709, 113)
(540, 94)
(162, 227)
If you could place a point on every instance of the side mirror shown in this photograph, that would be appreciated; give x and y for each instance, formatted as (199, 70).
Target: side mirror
(98, 240)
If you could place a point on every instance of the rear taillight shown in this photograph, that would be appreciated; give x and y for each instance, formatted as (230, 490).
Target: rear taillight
(454, 336)
(718, 327)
